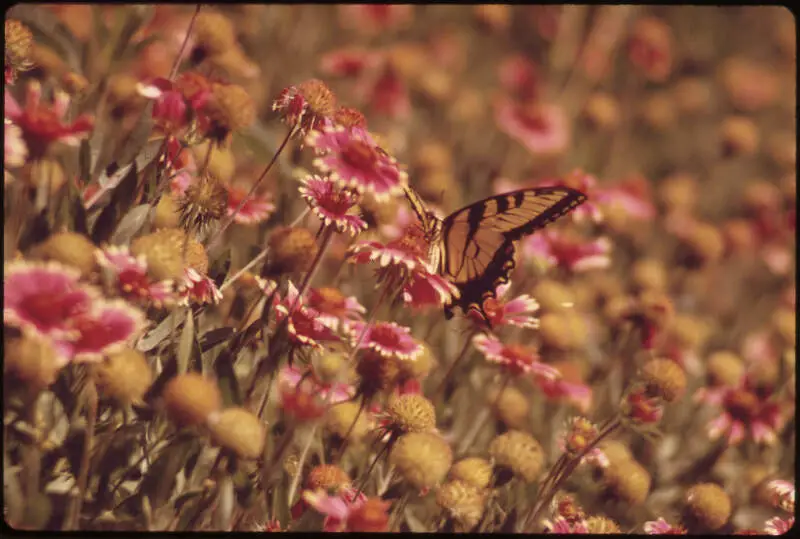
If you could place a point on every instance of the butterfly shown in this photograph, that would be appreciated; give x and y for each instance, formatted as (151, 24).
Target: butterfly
(474, 247)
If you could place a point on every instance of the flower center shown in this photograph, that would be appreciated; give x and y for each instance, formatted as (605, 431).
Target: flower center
(360, 155)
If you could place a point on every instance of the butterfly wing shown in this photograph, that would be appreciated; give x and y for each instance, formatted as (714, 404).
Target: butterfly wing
(478, 240)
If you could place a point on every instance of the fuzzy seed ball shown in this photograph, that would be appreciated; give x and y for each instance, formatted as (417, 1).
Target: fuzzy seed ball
(553, 295)
(601, 525)
(474, 471)
(328, 477)
(190, 398)
(627, 481)
(739, 136)
(463, 502)
(125, 376)
(163, 250)
(214, 32)
(649, 274)
(411, 413)
(511, 406)
(520, 453)
(166, 215)
(602, 111)
(239, 430)
(664, 378)
(341, 416)
(615, 451)
(69, 248)
(421, 458)
(32, 360)
(706, 506)
(291, 250)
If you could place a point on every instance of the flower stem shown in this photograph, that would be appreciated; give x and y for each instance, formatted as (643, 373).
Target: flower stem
(218, 233)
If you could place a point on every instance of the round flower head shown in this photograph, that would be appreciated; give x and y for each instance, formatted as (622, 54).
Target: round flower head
(68, 248)
(519, 453)
(239, 430)
(306, 107)
(474, 471)
(124, 376)
(707, 507)
(627, 481)
(191, 398)
(353, 159)
(387, 339)
(517, 359)
(541, 128)
(463, 502)
(163, 251)
(332, 205)
(421, 458)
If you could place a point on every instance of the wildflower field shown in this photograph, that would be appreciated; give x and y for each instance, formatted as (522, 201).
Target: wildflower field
(233, 283)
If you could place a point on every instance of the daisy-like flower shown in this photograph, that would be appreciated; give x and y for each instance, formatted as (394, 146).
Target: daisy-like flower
(304, 324)
(662, 527)
(424, 289)
(198, 289)
(353, 159)
(516, 312)
(516, 358)
(105, 328)
(331, 204)
(256, 210)
(337, 509)
(575, 254)
(306, 107)
(334, 308)
(744, 411)
(131, 276)
(541, 128)
(388, 339)
(44, 297)
(15, 152)
(43, 125)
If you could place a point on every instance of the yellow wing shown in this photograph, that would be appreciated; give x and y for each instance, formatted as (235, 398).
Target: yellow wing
(478, 240)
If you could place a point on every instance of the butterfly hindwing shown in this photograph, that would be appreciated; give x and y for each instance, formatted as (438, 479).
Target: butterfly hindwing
(478, 240)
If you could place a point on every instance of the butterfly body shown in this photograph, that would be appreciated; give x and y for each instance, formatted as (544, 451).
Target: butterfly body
(474, 247)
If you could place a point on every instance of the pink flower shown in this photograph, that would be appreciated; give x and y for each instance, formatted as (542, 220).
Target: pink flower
(14, 150)
(745, 410)
(568, 252)
(354, 160)
(255, 210)
(334, 308)
(44, 297)
(375, 18)
(517, 312)
(662, 527)
(335, 508)
(515, 358)
(106, 327)
(388, 339)
(519, 77)
(304, 325)
(331, 204)
(43, 125)
(424, 289)
(541, 128)
(133, 282)
(198, 289)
